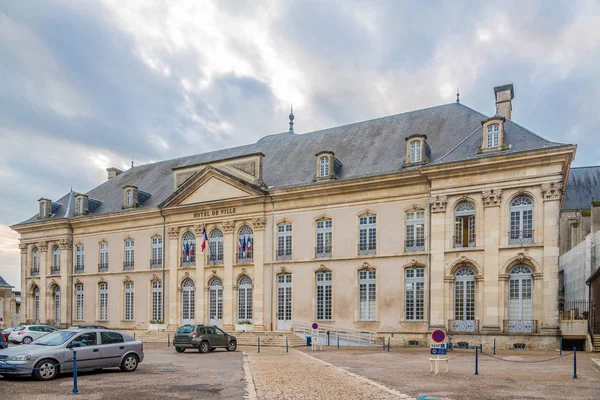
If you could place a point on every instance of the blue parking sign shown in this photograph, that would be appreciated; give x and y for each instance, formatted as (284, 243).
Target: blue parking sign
(438, 351)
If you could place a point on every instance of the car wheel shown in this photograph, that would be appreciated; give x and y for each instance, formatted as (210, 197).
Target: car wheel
(45, 370)
(204, 347)
(212, 349)
(129, 363)
(179, 349)
(27, 340)
(232, 346)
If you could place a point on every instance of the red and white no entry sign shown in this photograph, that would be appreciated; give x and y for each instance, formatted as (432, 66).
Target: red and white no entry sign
(438, 336)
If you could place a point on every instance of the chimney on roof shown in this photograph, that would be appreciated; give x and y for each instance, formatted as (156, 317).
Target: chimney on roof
(504, 95)
(112, 172)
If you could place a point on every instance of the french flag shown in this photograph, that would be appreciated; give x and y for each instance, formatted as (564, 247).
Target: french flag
(204, 239)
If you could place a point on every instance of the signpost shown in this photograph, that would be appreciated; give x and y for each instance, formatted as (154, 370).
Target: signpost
(438, 348)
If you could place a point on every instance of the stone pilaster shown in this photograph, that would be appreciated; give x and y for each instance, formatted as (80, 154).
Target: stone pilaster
(549, 318)
(24, 315)
(173, 265)
(44, 270)
(436, 295)
(199, 278)
(493, 300)
(66, 269)
(228, 258)
(258, 283)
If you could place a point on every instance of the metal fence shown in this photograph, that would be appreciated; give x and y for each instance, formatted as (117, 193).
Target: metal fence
(337, 335)
(574, 309)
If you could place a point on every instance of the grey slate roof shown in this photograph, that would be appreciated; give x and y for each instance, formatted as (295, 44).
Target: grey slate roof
(3, 283)
(582, 185)
(369, 148)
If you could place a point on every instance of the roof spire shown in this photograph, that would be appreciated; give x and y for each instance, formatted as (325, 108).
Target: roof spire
(291, 119)
(131, 162)
(457, 96)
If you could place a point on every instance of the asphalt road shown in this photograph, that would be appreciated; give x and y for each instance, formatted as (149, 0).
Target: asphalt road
(163, 374)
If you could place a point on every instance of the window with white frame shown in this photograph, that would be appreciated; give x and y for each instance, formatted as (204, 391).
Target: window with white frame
(521, 220)
(103, 266)
(415, 151)
(129, 254)
(367, 292)
(414, 294)
(79, 259)
(323, 295)
(56, 259)
(464, 225)
(103, 301)
(129, 301)
(324, 238)
(79, 302)
(43, 208)
(520, 300)
(36, 305)
(464, 300)
(493, 135)
(284, 241)
(215, 244)
(324, 166)
(367, 234)
(157, 243)
(156, 300)
(57, 306)
(245, 299)
(35, 265)
(415, 231)
(79, 206)
(129, 198)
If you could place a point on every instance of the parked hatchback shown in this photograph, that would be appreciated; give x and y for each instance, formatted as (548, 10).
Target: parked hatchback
(52, 354)
(28, 333)
(204, 338)
(6, 332)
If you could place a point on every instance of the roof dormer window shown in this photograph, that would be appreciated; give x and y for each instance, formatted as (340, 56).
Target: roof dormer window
(327, 165)
(324, 166)
(45, 208)
(81, 204)
(493, 138)
(417, 150)
(493, 135)
(130, 197)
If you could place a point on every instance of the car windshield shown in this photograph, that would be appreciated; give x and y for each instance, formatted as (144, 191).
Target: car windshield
(185, 329)
(55, 338)
(20, 328)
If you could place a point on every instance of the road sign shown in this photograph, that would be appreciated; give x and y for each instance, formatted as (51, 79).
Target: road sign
(437, 345)
(438, 336)
(315, 325)
(438, 351)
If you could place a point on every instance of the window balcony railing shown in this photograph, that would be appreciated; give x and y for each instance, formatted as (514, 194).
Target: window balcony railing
(188, 261)
(412, 245)
(520, 237)
(520, 326)
(35, 272)
(103, 267)
(79, 268)
(284, 254)
(55, 270)
(459, 241)
(215, 259)
(573, 309)
(128, 265)
(155, 263)
(245, 256)
(463, 326)
(367, 248)
(323, 252)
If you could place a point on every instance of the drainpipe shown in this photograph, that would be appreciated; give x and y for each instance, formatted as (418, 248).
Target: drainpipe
(272, 256)
(428, 253)
(72, 273)
(163, 266)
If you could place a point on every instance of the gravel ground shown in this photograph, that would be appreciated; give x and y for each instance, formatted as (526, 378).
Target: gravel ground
(294, 375)
(163, 374)
(407, 371)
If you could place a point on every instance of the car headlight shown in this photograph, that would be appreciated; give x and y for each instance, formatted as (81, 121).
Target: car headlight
(23, 357)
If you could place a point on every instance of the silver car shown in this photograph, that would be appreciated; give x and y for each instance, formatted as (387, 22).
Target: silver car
(49, 355)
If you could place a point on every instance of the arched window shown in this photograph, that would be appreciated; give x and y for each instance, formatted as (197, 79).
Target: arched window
(215, 302)
(103, 301)
(323, 295)
(464, 301)
(324, 238)
(215, 244)
(36, 305)
(493, 136)
(521, 220)
(245, 250)
(520, 300)
(415, 231)
(188, 250)
(79, 302)
(245, 299)
(55, 269)
(188, 292)
(464, 225)
(35, 264)
(129, 301)
(56, 306)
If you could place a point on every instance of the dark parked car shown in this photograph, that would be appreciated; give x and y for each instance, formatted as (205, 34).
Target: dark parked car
(204, 338)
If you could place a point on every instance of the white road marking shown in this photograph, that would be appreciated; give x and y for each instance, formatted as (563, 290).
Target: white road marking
(250, 393)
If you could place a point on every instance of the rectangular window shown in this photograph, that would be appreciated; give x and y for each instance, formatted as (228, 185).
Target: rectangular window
(323, 295)
(324, 166)
(80, 206)
(129, 254)
(79, 262)
(79, 302)
(103, 265)
(129, 201)
(157, 300)
(415, 231)
(367, 303)
(156, 250)
(129, 301)
(414, 295)
(324, 238)
(284, 241)
(415, 151)
(493, 136)
(367, 234)
(103, 302)
(43, 210)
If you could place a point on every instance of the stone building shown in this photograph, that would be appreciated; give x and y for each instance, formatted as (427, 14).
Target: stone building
(8, 306)
(441, 217)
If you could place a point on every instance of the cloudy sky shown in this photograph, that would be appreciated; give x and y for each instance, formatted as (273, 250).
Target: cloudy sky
(88, 85)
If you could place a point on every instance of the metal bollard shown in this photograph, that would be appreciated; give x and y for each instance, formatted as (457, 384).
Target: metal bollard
(561, 347)
(75, 389)
(286, 345)
(327, 338)
(133, 335)
(388, 344)
(574, 362)
(477, 360)
(338, 341)
(168, 340)
(259, 344)
(383, 340)
(494, 346)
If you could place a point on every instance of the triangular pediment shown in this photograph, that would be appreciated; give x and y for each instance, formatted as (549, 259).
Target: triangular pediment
(211, 185)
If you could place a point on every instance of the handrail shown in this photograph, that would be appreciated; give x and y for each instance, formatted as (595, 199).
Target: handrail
(346, 336)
